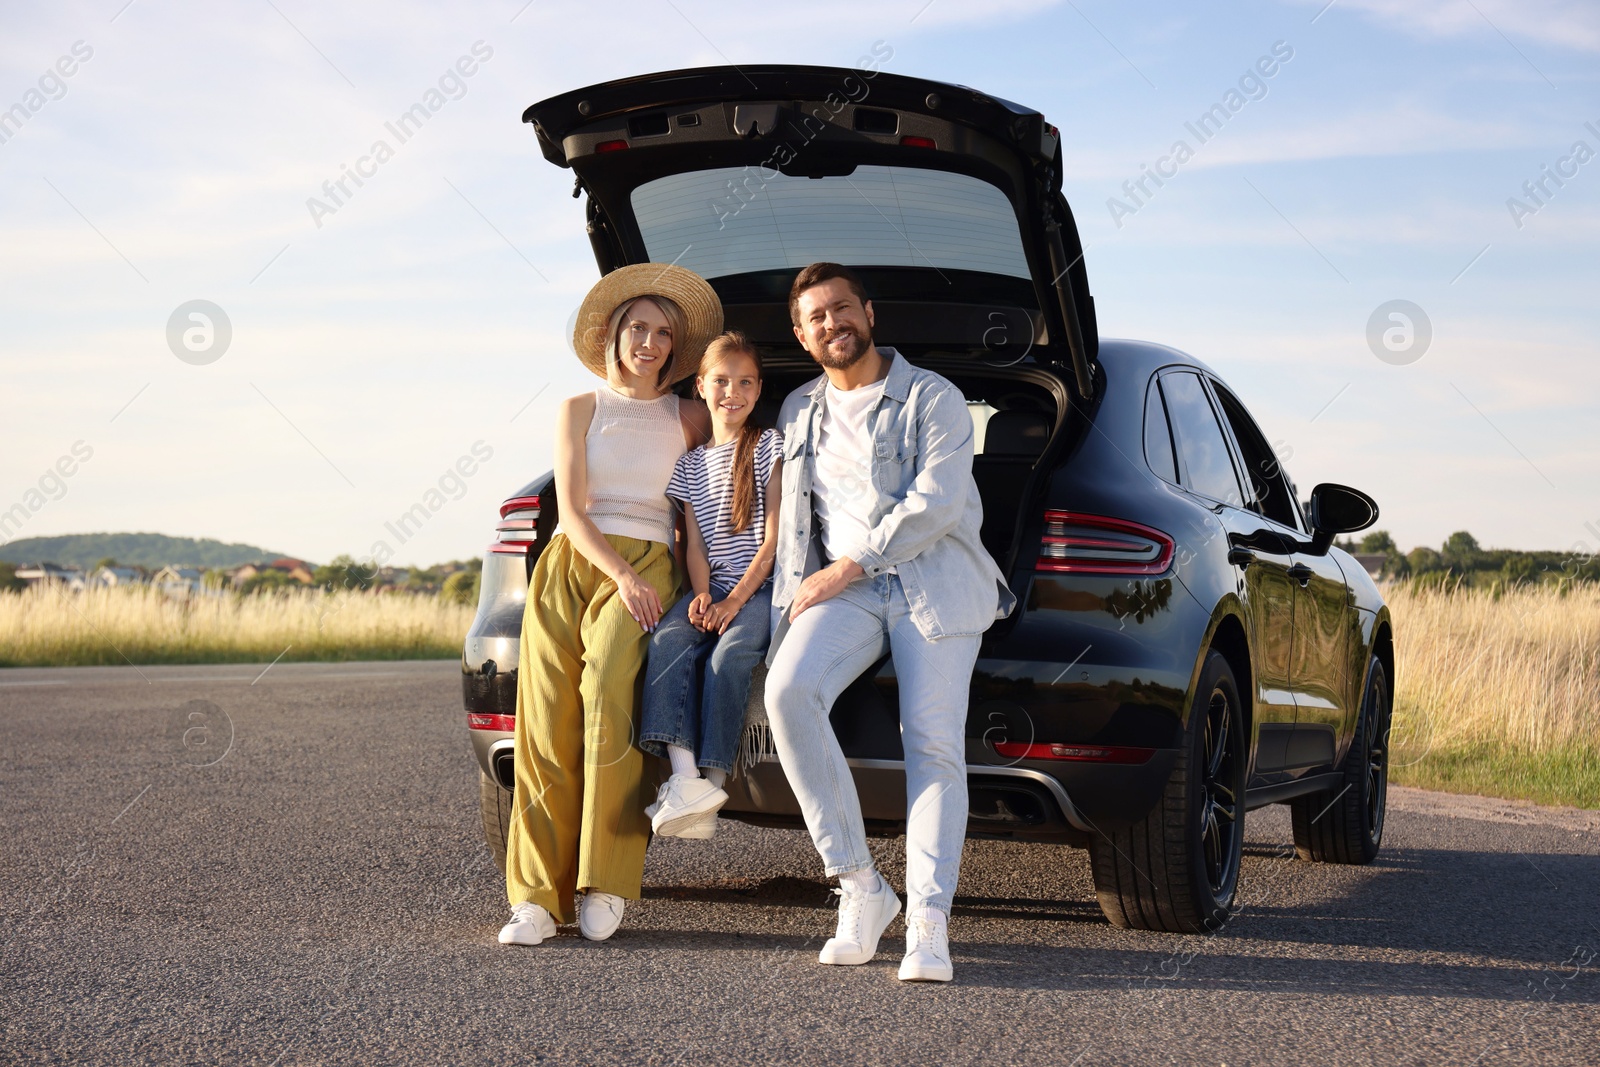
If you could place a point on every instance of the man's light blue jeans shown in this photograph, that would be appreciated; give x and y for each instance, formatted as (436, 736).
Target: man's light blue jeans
(825, 650)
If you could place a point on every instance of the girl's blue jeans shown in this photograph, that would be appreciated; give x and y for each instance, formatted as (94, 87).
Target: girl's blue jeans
(697, 684)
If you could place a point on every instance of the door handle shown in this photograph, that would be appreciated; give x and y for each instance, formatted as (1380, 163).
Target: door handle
(1300, 573)
(1241, 557)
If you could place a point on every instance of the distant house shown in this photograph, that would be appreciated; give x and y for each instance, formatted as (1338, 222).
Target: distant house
(297, 569)
(239, 575)
(52, 574)
(392, 577)
(1371, 562)
(115, 576)
(179, 581)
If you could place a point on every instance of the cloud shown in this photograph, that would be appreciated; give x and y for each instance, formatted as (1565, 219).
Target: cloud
(1573, 24)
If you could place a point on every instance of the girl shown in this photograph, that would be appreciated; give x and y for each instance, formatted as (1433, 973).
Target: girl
(599, 587)
(701, 657)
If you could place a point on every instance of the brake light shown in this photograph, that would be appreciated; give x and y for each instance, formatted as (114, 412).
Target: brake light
(1096, 544)
(1081, 753)
(519, 522)
(520, 503)
(611, 146)
(918, 142)
(477, 720)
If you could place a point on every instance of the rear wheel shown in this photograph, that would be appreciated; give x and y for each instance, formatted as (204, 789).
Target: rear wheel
(495, 806)
(1178, 868)
(1346, 825)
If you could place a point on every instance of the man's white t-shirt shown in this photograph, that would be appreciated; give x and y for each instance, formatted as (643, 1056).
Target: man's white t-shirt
(842, 491)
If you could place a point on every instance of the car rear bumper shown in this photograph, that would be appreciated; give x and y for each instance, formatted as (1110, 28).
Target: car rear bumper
(1041, 800)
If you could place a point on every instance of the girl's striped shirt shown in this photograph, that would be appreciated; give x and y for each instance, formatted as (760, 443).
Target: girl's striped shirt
(703, 477)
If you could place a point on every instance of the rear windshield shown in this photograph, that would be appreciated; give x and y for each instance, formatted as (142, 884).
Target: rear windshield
(735, 220)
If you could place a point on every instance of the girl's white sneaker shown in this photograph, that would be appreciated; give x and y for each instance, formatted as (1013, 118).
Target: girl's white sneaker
(684, 800)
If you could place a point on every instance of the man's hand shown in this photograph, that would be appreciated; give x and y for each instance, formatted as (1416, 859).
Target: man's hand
(825, 584)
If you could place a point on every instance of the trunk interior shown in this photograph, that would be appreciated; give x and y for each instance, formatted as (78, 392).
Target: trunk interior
(1015, 411)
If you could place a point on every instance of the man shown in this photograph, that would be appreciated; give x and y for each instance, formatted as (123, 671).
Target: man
(878, 551)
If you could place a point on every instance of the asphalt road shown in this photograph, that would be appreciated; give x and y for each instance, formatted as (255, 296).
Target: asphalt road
(303, 881)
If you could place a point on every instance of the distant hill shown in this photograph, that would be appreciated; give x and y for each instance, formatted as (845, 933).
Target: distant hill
(151, 550)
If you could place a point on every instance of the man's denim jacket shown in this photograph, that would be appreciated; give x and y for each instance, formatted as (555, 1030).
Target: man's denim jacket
(927, 513)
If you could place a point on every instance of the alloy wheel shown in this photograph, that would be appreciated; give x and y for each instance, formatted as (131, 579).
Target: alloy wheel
(1218, 790)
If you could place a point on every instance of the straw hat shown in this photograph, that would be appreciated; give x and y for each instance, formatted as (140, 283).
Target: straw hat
(702, 313)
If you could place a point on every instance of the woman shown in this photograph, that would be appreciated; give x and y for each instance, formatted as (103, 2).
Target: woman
(600, 587)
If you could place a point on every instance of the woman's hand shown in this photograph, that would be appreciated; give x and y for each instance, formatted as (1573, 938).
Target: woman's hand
(697, 611)
(719, 615)
(640, 598)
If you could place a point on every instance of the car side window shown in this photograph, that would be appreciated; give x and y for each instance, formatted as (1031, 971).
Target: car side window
(1202, 450)
(1271, 493)
(1158, 435)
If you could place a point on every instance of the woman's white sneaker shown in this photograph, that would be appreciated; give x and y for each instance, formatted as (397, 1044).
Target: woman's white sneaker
(599, 914)
(684, 800)
(863, 917)
(927, 956)
(529, 925)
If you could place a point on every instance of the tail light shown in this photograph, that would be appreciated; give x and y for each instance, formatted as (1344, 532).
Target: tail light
(1095, 544)
(518, 527)
(1082, 753)
(477, 720)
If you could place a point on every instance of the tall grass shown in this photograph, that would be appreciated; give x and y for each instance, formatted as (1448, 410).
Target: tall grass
(47, 627)
(1498, 691)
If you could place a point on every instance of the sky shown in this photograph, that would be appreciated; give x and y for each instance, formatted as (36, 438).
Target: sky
(381, 350)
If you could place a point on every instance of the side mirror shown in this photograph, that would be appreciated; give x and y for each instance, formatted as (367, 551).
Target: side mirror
(1337, 509)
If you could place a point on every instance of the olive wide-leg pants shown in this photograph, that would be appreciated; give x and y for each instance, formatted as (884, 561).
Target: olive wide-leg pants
(578, 819)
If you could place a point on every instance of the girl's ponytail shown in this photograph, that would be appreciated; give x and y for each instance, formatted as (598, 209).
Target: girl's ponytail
(744, 453)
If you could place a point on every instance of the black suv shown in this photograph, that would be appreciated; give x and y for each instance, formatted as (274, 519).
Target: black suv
(1188, 644)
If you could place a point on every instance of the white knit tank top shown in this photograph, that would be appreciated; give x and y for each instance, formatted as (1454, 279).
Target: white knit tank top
(631, 448)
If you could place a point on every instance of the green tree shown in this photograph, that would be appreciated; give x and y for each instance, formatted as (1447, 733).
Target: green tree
(1519, 570)
(1378, 541)
(215, 578)
(109, 561)
(460, 588)
(422, 580)
(1423, 559)
(345, 573)
(1461, 552)
(9, 582)
(269, 581)
(1395, 565)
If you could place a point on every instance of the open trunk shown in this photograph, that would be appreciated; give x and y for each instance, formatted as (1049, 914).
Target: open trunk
(947, 203)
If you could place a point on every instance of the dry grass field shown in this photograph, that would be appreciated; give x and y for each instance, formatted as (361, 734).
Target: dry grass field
(1497, 694)
(1499, 691)
(43, 627)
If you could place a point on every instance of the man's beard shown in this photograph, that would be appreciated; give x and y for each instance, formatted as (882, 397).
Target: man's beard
(852, 354)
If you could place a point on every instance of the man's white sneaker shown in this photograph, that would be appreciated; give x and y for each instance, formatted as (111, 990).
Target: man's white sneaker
(862, 919)
(599, 914)
(927, 956)
(529, 925)
(684, 800)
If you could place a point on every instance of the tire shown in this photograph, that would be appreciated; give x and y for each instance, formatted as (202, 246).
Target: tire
(1178, 868)
(495, 805)
(1346, 825)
